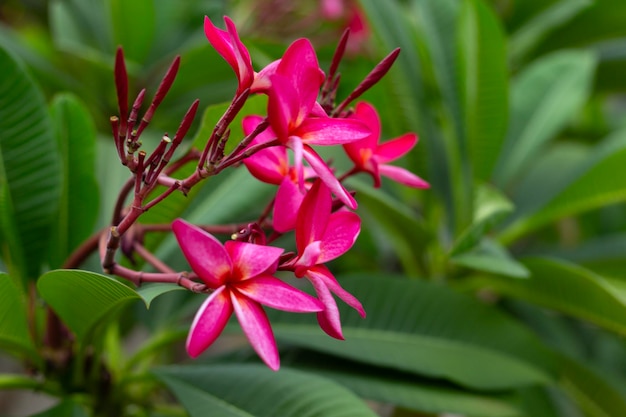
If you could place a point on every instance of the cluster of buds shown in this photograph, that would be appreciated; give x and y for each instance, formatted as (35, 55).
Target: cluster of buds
(311, 202)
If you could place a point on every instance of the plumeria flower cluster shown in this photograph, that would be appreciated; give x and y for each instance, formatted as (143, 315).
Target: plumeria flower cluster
(311, 203)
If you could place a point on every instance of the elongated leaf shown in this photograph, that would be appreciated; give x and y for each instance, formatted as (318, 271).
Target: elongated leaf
(29, 171)
(428, 330)
(483, 78)
(14, 335)
(84, 299)
(148, 292)
(539, 27)
(596, 394)
(544, 98)
(134, 26)
(491, 257)
(66, 408)
(404, 390)
(76, 136)
(568, 288)
(406, 231)
(490, 207)
(254, 390)
(591, 184)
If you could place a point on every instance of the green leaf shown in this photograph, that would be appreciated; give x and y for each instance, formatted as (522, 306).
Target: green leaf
(483, 77)
(83, 299)
(596, 394)
(528, 36)
(544, 98)
(489, 256)
(490, 207)
(569, 288)
(66, 408)
(14, 336)
(29, 171)
(78, 211)
(134, 26)
(148, 292)
(590, 185)
(405, 230)
(406, 391)
(254, 390)
(426, 329)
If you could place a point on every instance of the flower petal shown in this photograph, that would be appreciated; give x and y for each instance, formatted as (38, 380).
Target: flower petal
(250, 260)
(367, 114)
(273, 292)
(286, 205)
(322, 273)
(209, 322)
(257, 328)
(331, 131)
(262, 80)
(341, 233)
(328, 177)
(283, 106)
(402, 176)
(328, 319)
(205, 254)
(395, 148)
(313, 215)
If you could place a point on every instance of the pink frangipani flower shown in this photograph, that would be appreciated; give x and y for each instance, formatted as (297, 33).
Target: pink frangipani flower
(299, 121)
(241, 276)
(371, 157)
(322, 236)
(229, 46)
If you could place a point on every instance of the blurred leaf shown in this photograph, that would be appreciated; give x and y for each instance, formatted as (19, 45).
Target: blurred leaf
(254, 390)
(134, 27)
(490, 207)
(30, 180)
(426, 329)
(591, 184)
(491, 257)
(544, 98)
(405, 390)
(81, 26)
(14, 336)
(405, 230)
(527, 37)
(84, 299)
(148, 292)
(568, 288)
(595, 393)
(483, 79)
(66, 408)
(78, 211)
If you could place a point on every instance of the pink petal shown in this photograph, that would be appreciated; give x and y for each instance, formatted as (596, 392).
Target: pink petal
(283, 106)
(366, 113)
(299, 63)
(205, 254)
(262, 80)
(269, 165)
(295, 144)
(230, 47)
(402, 176)
(395, 148)
(286, 205)
(328, 177)
(209, 322)
(250, 260)
(309, 257)
(328, 319)
(273, 292)
(313, 215)
(330, 131)
(257, 328)
(322, 273)
(341, 233)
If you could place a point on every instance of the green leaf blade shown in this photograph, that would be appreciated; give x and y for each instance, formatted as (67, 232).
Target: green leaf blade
(84, 299)
(78, 211)
(407, 329)
(30, 179)
(253, 390)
